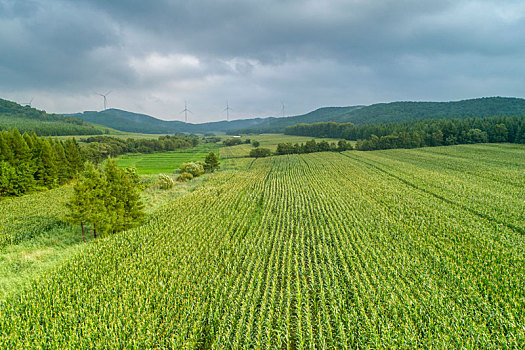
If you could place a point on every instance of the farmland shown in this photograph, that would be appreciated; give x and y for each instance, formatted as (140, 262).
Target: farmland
(165, 162)
(399, 248)
(269, 141)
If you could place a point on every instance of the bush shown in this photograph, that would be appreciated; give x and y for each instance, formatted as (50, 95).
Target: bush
(232, 141)
(256, 144)
(195, 169)
(185, 176)
(165, 182)
(260, 152)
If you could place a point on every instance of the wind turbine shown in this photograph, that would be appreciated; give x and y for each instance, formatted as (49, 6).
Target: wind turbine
(28, 104)
(227, 109)
(105, 98)
(185, 111)
(282, 109)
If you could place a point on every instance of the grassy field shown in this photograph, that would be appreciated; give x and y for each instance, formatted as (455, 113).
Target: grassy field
(166, 162)
(390, 249)
(269, 141)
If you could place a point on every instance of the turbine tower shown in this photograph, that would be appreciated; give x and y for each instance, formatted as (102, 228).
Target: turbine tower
(185, 111)
(227, 109)
(105, 98)
(282, 109)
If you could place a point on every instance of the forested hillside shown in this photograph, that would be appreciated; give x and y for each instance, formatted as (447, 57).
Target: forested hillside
(29, 163)
(402, 112)
(412, 134)
(27, 119)
(135, 122)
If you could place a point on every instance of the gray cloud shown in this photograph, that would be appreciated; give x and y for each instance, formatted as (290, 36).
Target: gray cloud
(154, 55)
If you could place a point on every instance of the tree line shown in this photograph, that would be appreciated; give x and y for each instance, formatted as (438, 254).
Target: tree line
(307, 147)
(99, 148)
(29, 163)
(432, 132)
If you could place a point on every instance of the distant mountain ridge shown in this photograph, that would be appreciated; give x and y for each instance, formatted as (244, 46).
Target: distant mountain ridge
(136, 122)
(376, 113)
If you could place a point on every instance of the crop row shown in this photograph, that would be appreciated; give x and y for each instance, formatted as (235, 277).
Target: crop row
(304, 251)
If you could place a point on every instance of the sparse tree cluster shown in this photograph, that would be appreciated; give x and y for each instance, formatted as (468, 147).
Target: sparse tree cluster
(106, 199)
(29, 162)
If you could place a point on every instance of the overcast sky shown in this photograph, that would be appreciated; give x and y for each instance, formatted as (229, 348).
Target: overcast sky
(255, 54)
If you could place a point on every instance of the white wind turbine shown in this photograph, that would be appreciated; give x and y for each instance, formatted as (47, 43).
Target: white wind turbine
(227, 109)
(105, 98)
(185, 111)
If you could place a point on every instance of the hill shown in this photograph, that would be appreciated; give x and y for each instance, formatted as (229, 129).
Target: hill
(27, 119)
(376, 113)
(135, 122)
(400, 112)
(404, 111)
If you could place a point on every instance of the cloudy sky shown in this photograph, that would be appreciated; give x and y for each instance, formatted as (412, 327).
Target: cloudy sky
(153, 55)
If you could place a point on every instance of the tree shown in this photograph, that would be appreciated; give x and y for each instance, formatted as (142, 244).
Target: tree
(260, 152)
(255, 143)
(87, 204)
(109, 200)
(211, 163)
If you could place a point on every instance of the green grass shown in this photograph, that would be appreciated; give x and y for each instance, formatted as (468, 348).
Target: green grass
(165, 162)
(269, 141)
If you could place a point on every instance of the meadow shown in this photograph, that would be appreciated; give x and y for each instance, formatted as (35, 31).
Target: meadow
(166, 162)
(417, 248)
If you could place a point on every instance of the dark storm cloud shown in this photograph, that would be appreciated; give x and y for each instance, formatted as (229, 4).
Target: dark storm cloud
(155, 54)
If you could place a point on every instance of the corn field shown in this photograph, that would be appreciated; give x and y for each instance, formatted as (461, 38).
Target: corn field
(391, 249)
(31, 215)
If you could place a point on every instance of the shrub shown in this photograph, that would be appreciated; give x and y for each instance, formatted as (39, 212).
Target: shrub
(260, 152)
(256, 144)
(194, 168)
(185, 176)
(165, 182)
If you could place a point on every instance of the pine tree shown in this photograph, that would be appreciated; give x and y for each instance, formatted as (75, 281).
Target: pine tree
(88, 202)
(46, 172)
(19, 147)
(211, 163)
(74, 158)
(61, 162)
(5, 151)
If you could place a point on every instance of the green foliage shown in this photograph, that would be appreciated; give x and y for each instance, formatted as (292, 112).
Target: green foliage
(434, 132)
(211, 163)
(193, 168)
(165, 182)
(30, 163)
(31, 120)
(256, 143)
(395, 112)
(108, 199)
(102, 147)
(232, 141)
(184, 176)
(260, 152)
